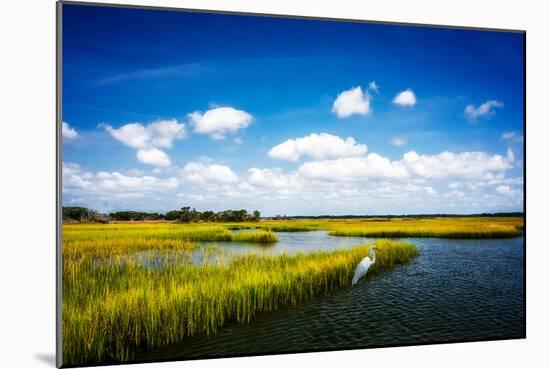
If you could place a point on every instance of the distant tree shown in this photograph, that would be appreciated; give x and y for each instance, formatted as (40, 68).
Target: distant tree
(188, 215)
(255, 216)
(208, 216)
(172, 215)
(134, 216)
(81, 214)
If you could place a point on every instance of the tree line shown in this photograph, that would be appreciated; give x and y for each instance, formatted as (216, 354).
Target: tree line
(184, 215)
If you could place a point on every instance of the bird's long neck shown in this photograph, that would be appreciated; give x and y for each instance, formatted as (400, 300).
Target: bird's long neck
(372, 255)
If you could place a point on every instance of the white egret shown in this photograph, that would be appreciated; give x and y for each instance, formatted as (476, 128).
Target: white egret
(364, 265)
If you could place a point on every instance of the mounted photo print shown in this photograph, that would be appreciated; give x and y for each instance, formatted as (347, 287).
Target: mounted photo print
(234, 184)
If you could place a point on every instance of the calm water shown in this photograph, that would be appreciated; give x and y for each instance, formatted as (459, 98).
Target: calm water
(289, 243)
(455, 290)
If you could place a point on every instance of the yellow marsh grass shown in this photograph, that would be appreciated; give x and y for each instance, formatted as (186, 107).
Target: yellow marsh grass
(110, 309)
(432, 227)
(110, 240)
(479, 227)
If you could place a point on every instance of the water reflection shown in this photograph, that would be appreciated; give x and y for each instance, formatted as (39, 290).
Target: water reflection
(224, 252)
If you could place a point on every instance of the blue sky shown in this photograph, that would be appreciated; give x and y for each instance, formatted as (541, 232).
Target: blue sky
(166, 109)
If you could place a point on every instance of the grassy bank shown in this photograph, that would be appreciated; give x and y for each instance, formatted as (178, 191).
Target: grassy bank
(481, 227)
(112, 308)
(433, 227)
(111, 240)
(261, 236)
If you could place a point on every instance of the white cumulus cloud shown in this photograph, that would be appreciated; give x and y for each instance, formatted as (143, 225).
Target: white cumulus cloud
(110, 186)
(405, 98)
(470, 165)
(272, 178)
(447, 164)
(160, 133)
(154, 156)
(203, 173)
(67, 131)
(487, 108)
(217, 122)
(148, 138)
(73, 177)
(347, 169)
(317, 146)
(118, 182)
(352, 101)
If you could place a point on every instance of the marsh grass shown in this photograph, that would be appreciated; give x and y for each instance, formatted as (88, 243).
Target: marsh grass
(111, 309)
(467, 228)
(480, 227)
(111, 240)
(114, 302)
(260, 236)
(476, 227)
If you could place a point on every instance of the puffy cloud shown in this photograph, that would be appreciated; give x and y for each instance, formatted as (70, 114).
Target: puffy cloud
(200, 173)
(448, 164)
(154, 156)
(118, 182)
(160, 133)
(73, 177)
(110, 186)
(352, 101)
(347, 169)
(318, 146)
(67, 131)
(398, 141)
(147, 139)
(163, 132)
(482, 110)
(218, 122)
(272, 178)
(458, 182)
(133, 134)
(405, 98)
(472, 165)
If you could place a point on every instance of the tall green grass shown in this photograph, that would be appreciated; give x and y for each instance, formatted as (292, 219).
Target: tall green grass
(110, 309)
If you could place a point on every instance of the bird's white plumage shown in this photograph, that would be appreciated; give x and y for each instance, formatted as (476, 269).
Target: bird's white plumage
(364, 266)
(361, 270)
